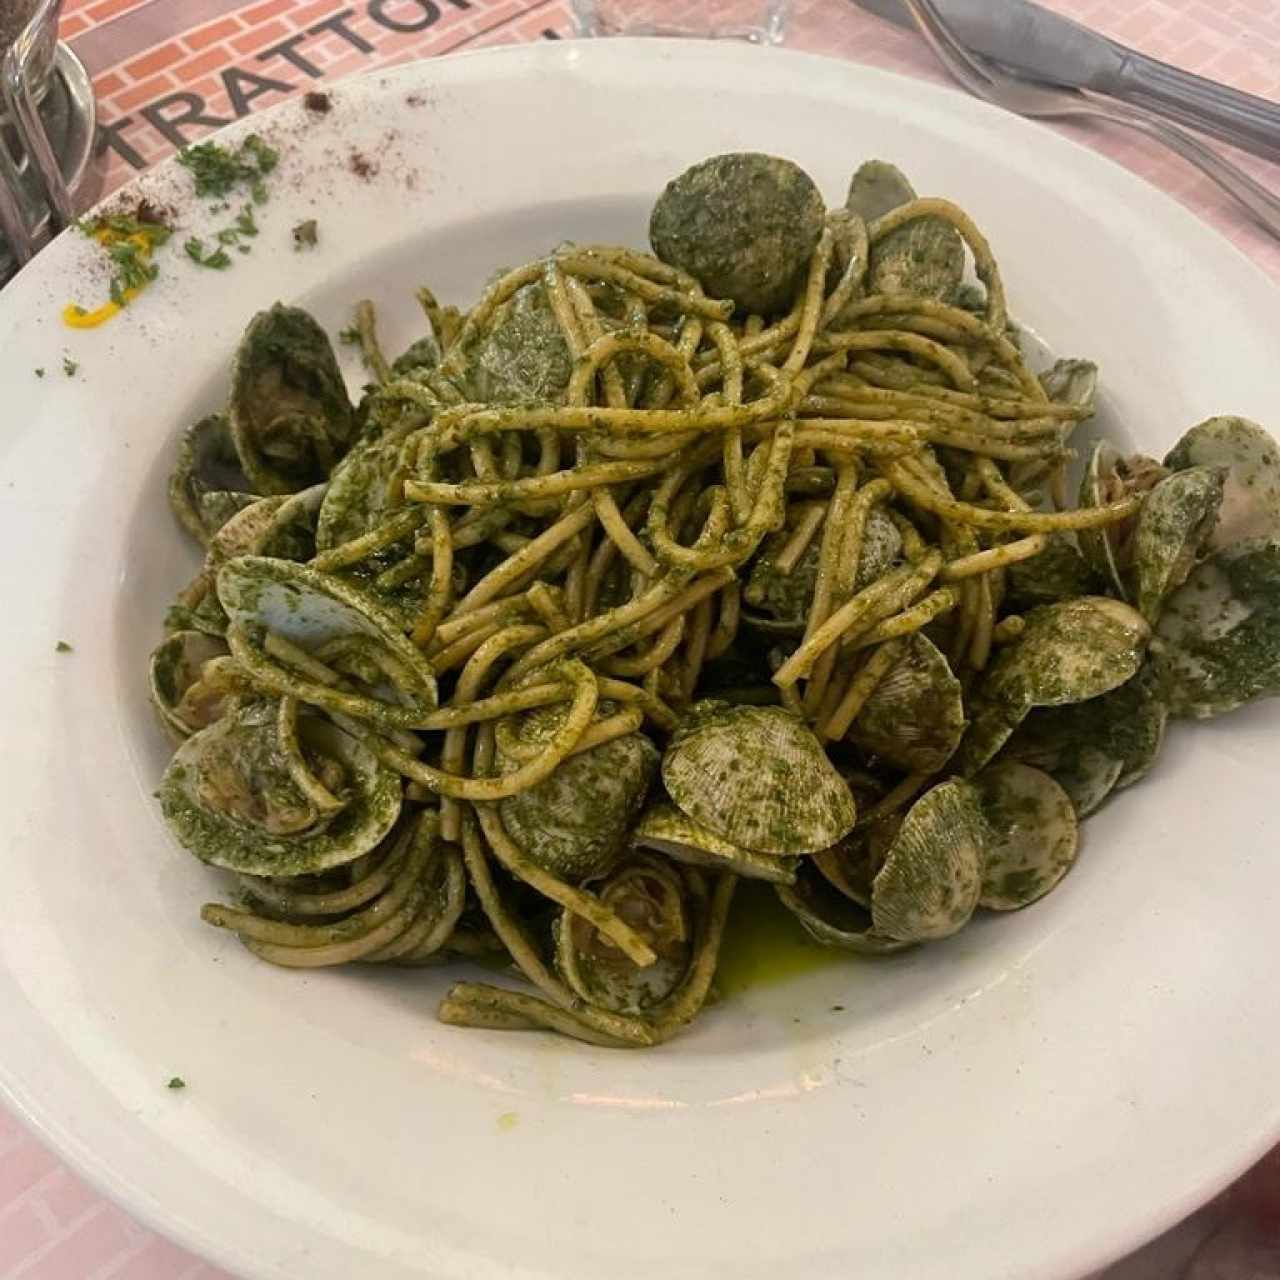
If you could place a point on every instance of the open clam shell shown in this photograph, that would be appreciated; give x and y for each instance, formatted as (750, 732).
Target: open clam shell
(663, 828)
(929, 884)
(289, 413)
(1218, 638)
(207, 468)
(185, 702)
(915, 717)
(1108, 477)
(1174, 528)
(1068, 652)
(228, 797)
(651, 895)
(1072, 381)
(576, 823)
(924, 257)
(758, 777)
(830, 917)
(319, 613)
(1251, 494)
(1033, 834)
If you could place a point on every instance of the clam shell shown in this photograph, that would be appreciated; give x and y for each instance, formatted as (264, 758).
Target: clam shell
(664, 828)
(876, 188)
(522, 357)
(244, 743)
(1219, 635)
(932, 875)
(576, 823)
(176, 664)
(358, 497)
(1072, 381)
(1174, 528)
(1033, 834)
(1059, 572)
(310, 609)
(207, 463)
(1068, 652)
(758, 777)
(289, 413)
(1251, 495)
(651, 896)
(915, 718)
(833, 919)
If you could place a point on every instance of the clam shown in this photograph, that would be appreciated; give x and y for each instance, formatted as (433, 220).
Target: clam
(758, 777)
(744, 225)
(652, 897)
(1218, 639)
(1109, 477)
(360, 493)
(325, 618)
(290, 416)
(207, 483)
(230, 799)
(290, 533)
(914, 719)
(780, 602)
(663, 828)
(420, 356)
(929, 884)
(1173, 531)
(925, 257)
(576, 823)
(1092, 748)
(1033, 834)
(1068, 652)
(1059, 572)
(193, 681)
(1251, 496)
(521, 357)
(1072, 381)
(832, 918)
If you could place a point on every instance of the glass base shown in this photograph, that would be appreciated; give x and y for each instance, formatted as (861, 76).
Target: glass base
(759, 21)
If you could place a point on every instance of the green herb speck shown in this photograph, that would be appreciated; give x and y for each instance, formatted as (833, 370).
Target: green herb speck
(70, 366)
(305, 234)
(62, 647)
(177, 1082)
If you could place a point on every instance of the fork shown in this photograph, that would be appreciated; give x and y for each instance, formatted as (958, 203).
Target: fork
(986, 79)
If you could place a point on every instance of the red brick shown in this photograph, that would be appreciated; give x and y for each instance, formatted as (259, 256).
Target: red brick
(156, 60)
(23, 1167)
(260, 38)
(204, 36)
(144, 92)
(105, 86)
(72, 24)
(261, 12)
(157, 1258)
(313, 13)
(210, 60)
(105, 9)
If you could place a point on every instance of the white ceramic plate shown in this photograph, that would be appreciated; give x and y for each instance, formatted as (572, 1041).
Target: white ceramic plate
(1029, 1099)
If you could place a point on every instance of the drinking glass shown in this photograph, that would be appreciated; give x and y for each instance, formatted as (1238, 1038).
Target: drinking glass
(761, 21)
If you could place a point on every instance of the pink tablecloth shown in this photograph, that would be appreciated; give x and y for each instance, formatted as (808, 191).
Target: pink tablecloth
(163, 68)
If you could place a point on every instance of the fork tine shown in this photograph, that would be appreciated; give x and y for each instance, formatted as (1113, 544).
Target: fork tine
(948, 49)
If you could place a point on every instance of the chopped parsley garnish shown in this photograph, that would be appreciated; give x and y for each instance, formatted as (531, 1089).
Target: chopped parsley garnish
(215, 259)
(69, 366)
(304, 234)
(62, 647)
(217, 170)
(177, 1082)
(350, 335)
(130, 244)
(39, 373)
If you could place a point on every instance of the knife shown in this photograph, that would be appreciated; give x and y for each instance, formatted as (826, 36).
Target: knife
(1045, 46)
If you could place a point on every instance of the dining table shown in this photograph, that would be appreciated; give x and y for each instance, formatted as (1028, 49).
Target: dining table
(167, 72)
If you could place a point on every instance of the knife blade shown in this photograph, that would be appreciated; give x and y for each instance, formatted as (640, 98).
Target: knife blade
(1046, 46)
